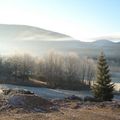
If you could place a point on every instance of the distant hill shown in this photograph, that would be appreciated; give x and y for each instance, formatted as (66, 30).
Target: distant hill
(38, 41)
(23, 38)
(103, 42)
(23, 32)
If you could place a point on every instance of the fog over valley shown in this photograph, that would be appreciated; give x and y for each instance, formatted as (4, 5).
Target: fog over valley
(21, 38)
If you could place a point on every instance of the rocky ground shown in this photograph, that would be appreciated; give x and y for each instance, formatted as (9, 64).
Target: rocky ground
(24, 105)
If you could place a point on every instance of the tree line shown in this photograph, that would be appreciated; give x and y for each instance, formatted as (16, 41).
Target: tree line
(57, 69)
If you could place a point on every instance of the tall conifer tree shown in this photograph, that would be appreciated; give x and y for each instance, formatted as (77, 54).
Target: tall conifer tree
(103, 88)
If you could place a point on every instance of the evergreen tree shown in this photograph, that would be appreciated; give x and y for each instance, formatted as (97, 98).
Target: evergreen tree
(103, 89)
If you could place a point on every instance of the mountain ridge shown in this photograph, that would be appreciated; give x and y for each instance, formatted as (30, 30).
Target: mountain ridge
(30, 40)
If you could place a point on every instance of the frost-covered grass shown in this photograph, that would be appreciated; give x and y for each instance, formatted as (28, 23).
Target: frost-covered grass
(50, 93)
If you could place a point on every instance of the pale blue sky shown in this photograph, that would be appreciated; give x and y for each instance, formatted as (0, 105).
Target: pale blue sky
(81, 19)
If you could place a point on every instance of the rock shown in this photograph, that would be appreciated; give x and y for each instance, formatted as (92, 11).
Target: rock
(6, 91)
(73, 97)
(25, 92)
(38, 110)
(54, 108)
(89, 98)
(12, 91)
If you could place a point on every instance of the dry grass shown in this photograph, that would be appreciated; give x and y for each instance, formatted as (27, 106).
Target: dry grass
(68, 113)
(38, 82)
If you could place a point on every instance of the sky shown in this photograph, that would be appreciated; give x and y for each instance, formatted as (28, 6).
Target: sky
(85, 20)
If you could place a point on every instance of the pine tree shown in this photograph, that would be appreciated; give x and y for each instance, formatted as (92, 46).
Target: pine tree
(103, 89)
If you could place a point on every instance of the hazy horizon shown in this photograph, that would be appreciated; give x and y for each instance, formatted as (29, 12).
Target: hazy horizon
(83, 20)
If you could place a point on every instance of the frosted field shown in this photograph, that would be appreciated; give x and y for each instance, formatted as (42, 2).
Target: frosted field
(46, 92)
(51, 93)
